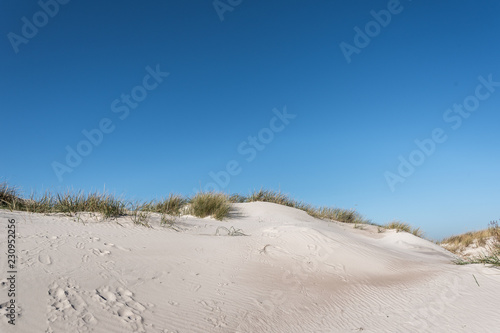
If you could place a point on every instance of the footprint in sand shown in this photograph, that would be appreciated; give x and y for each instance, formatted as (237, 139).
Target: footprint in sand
(68, 305)
(120, 302)
(99, 252)
(117, 247)
(45, 259)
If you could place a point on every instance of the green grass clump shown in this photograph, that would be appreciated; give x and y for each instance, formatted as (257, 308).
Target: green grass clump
(171, 206)
(402, 226)
(212, 204)
(106, 204)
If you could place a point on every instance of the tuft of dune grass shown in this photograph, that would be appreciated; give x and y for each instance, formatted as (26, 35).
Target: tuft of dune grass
(96, 202)
(10, 198)
(338, 214)
(212, 204)
(402, 226)
(171, 206)
(273, 197)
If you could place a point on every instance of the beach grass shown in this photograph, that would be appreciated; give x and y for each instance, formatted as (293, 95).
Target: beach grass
(213, 204)
(459, 243)
(403, 226)
(203, 204)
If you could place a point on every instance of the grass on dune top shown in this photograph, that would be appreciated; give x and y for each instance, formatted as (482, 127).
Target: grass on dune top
(202, 204)
(217, 205)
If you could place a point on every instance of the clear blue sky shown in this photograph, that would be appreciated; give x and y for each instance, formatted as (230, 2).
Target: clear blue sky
(360, 101)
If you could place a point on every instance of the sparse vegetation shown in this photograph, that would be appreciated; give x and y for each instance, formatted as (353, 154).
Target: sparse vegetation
(458, 243)
(359, 226)
(488, 238)
(202, 204)
(402, 226)
(139, 213)
(329, 213)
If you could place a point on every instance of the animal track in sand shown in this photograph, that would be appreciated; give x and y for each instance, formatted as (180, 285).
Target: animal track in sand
(216, 317)
(80, 245)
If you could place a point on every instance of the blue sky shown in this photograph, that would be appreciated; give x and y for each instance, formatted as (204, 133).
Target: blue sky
(349, 116)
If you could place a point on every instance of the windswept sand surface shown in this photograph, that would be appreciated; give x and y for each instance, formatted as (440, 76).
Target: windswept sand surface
(293, 273)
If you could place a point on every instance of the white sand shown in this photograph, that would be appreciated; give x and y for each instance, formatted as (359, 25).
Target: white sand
(293, 273)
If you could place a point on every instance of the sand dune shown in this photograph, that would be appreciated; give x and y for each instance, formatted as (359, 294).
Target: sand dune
(292, 273)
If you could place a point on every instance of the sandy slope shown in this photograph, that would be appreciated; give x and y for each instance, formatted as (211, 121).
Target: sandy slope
(293, 273)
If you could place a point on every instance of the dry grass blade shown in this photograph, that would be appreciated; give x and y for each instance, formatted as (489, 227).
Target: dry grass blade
(230, 232)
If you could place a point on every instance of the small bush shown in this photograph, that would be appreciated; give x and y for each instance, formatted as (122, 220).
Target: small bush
(212, 204)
